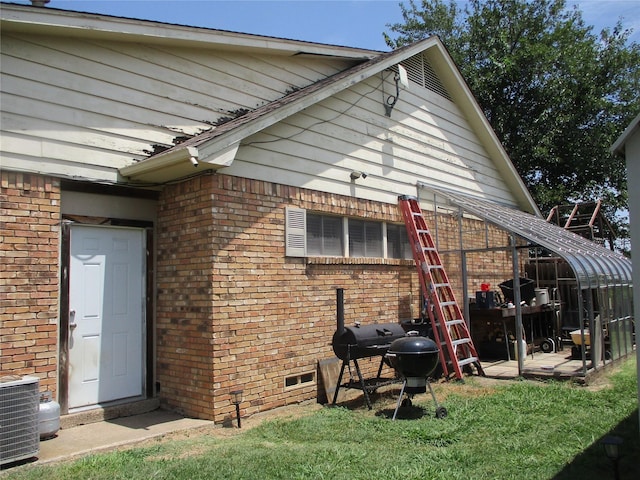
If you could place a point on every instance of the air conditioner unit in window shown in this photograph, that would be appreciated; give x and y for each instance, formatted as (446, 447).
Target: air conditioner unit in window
(19, 422)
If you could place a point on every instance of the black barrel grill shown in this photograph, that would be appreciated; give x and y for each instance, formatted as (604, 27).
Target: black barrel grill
(362, 341)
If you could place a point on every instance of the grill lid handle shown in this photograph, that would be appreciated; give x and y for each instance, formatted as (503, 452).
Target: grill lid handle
(384, 332)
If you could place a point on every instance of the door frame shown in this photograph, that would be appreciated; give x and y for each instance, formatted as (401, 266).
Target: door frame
(63, 328)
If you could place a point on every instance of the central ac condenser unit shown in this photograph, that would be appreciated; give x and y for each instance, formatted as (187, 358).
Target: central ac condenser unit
(19, 421)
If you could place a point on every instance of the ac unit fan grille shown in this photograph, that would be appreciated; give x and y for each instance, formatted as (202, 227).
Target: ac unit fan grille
(19, 421)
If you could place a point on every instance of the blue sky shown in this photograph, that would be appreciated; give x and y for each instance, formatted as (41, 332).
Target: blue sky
(357, 23)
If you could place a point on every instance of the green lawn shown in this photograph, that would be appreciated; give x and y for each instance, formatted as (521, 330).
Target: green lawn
(516, 430)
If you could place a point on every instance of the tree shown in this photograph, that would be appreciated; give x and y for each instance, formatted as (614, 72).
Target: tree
(556, 94)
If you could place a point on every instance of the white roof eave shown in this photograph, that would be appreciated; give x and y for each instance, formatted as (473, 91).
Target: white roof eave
(178, 163)
(51, 21)
(618, 147)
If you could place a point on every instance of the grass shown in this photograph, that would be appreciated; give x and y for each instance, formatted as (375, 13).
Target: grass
(524, 429)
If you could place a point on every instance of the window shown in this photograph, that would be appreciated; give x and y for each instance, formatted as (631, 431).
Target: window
(365, 239)
(398, 243)
(324, 236)
(316, 235)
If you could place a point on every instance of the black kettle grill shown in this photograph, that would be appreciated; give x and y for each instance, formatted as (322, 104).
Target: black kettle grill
(414, 358)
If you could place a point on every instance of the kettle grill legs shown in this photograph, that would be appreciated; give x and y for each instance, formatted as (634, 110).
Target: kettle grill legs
(441, 412)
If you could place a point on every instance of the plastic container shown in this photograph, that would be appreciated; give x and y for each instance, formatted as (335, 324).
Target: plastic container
(542, 296)
(576, 337)
(527, 290)
(485, 299)
(49, 416)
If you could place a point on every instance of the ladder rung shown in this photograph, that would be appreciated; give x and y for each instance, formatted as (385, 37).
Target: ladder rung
(420, 230)
(451, 323)
(429, 249)
(435, 267)
(467, 361)
(447, 304)
(460, 341)
(440, 285)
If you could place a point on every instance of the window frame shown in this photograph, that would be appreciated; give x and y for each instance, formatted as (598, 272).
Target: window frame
(346, 242)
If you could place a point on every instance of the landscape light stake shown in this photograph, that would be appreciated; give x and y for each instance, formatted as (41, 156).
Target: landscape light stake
(237, 400)
(612, 445)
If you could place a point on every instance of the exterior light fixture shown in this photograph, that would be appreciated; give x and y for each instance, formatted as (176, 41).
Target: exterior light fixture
(236, 399)
(612, 444)
(356, 175)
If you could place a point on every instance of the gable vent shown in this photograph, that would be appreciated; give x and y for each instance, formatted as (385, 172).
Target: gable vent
(419, 71)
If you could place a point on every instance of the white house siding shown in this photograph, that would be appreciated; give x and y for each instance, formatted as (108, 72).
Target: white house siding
(85, 108)
(426, 139)
(96, 205)
(632, 154)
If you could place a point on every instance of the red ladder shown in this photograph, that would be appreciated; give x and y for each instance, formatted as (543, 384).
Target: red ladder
(449, 327)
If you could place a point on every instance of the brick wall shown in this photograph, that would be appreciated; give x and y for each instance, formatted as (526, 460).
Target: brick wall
(184, 323)
(29, 250)
(234, 312)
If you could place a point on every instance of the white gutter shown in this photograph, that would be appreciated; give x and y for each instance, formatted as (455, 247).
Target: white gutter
(179, 162)
(161, 161)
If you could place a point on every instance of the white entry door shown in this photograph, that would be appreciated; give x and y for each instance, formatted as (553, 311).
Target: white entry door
(106, 321)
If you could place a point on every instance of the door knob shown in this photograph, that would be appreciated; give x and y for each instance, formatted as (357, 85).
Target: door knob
(72, 318)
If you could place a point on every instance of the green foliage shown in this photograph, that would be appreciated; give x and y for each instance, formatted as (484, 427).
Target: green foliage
(524, 429)
(556, 94)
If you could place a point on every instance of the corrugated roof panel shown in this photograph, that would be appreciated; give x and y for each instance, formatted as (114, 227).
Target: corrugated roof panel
(593, 265)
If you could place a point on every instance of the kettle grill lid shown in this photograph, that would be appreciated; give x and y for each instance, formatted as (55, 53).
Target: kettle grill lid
(413, 345)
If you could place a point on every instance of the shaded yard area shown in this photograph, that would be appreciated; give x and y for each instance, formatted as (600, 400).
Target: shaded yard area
(495, 429)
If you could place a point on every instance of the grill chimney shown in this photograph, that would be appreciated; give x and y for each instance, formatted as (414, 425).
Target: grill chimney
(340, 311)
